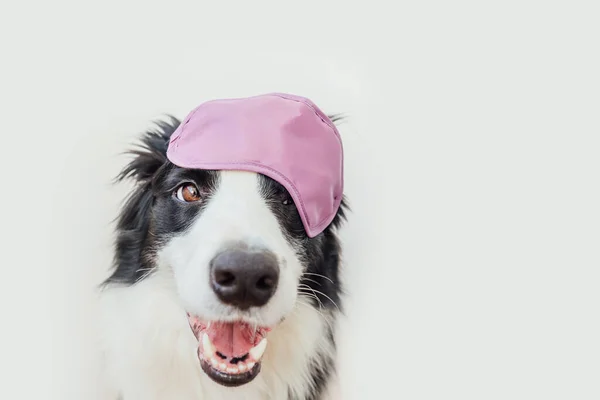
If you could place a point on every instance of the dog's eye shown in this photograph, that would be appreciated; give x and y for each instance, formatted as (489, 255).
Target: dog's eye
(188, 193)
(287, 202)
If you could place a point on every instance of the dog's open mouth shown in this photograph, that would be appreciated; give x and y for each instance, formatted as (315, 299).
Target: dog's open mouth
(230, 352)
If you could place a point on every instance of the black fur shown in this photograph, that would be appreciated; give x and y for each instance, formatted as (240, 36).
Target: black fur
(133, 222)
(150, 216)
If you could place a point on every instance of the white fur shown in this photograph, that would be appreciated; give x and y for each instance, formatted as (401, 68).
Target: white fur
(149, 349)
(236, 212)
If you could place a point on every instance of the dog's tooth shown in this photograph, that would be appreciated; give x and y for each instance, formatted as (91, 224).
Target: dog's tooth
(223, 367)
(242, 367)
(214, 363)
(209, 349)
(250, 365)
(257, 351)
(232, 370)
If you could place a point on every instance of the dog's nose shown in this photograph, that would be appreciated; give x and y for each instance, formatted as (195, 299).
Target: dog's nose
(244, 278)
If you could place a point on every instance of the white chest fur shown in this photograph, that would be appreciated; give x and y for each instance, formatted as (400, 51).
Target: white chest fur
(150, 351)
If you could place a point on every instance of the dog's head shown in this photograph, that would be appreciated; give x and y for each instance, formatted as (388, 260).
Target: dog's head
(235, 244)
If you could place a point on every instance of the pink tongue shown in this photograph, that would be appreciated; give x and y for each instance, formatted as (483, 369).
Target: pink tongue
(232, 339)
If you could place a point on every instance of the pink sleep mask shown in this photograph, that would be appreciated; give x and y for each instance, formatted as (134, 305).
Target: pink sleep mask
(285, 137)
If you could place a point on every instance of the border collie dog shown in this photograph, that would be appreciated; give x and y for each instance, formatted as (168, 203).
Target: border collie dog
(217, 291)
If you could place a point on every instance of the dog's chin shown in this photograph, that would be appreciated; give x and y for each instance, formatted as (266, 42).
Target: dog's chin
(230, 353)
(229, 379)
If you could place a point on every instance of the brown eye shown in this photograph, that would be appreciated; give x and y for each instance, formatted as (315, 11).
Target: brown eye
(188, 193)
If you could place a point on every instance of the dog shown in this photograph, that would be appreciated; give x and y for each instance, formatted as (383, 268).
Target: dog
(177, 323)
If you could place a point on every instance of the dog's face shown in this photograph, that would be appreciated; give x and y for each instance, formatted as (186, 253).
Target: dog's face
(234, 241)
(237, 249)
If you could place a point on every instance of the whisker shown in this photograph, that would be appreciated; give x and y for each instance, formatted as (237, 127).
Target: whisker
(322, 276)
(311, 280)
(313, 294)
(323, 294)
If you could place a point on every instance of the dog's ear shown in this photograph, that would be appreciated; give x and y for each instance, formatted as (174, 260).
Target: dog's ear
(151, 153)
(134, 219)
(340, 216)
(344, 208)
(132, 231)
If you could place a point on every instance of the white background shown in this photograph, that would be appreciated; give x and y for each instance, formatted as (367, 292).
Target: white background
(473, 163)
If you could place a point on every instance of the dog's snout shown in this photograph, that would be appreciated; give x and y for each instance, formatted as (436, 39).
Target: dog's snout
(244, 278)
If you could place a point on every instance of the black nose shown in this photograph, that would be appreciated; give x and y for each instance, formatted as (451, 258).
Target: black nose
(244, 278)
